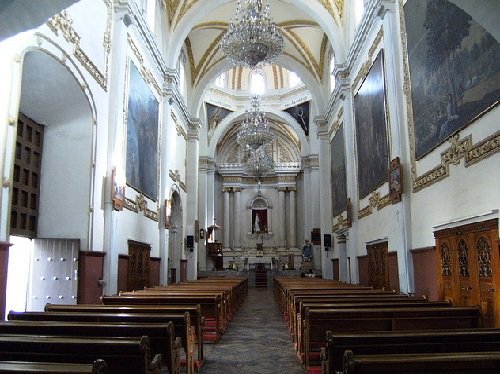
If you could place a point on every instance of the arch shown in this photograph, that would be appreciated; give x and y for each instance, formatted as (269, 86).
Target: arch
(227, 123)
(176, 233)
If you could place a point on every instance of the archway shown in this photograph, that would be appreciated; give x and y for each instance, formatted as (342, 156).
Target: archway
(175, 240)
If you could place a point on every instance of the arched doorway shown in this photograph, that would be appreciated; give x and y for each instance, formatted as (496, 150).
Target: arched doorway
(53, 169)
(175, 242)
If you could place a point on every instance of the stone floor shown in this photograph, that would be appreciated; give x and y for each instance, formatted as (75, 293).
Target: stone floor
(257, 341)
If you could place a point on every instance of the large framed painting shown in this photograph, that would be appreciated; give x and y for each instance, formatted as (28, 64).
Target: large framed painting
(454, 68)
(301, 114)
(371, 130)
(215, 114)
(338, 173)
(142, 136)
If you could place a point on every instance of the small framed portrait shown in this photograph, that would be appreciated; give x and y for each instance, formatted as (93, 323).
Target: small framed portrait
(168, 214)
(395, 179)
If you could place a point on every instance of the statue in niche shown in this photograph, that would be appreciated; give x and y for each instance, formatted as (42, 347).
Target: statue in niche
(259, 221)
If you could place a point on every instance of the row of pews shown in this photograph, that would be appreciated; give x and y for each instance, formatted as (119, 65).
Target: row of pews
(343, 328)
(155, 330)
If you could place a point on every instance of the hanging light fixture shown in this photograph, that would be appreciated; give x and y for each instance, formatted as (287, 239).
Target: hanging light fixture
(259, 163)
(255, 131)
(252, 38)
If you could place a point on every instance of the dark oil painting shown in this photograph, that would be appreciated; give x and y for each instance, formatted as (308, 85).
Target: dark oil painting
(454, 66)
(142, 136)
(338, 173)
(215, 114)
(371, 130)
(301, 114)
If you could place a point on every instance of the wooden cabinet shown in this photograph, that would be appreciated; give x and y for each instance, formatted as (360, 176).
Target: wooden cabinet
(468, 267)
(378, 265)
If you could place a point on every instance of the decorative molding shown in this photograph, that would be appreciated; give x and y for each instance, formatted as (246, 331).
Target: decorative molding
(63, 23)
(341, 224)
(145, 72)
(176, 177)
(365, 68)
(141, 205)
(178, 127)
(459, 148)
(375, 202)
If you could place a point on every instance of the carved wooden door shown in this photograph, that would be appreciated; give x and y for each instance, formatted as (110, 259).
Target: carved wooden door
(467, 274)
(469, 270)
(378, 265)
(138, 266)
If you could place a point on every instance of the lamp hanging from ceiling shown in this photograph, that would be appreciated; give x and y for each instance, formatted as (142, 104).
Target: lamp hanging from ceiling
(252, 38)
(259, 163)
(255, 131)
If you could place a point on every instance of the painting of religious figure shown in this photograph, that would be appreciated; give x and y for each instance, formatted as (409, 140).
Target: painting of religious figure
(215, 114)
(371, 130)
(338, 173)
(454, 71)
(301, 114)
(142, 136)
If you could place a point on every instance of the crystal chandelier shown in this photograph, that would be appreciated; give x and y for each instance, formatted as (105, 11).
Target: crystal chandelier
(252, 38)
(259, 163)
(255, 131)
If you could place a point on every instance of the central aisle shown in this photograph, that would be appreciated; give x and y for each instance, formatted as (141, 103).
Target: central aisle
(256, 341)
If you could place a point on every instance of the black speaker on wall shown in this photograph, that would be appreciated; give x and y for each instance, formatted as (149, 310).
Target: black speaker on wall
(190, 242)
(327, 240)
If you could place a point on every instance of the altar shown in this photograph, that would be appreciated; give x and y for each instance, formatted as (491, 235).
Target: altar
(272, 259)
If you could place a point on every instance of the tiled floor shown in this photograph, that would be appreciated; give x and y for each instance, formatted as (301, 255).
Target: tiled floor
(257, 341)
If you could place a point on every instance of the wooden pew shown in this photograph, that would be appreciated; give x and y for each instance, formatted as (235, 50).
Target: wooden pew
(161, 336)
(182, 324)
(318, 321)
(197, 320)
(457, 363)
(210, 306)
(359, 304)
(122, 355)
(398, 342)
(24, 367)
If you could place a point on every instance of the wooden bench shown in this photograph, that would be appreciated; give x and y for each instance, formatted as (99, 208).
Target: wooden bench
(182, 324)
(122, 355)
(19, 367)
(161, 336)
(210, 307)
(398, 342)
(194, 311)
(458, 363)
(318, 321)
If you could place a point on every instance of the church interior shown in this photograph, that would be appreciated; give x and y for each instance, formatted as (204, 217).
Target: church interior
(221, 155)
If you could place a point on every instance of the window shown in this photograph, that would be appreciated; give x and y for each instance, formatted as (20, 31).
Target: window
(182, 75)
(257, 82)
(359, 9)
(293, 79)
(150, 14)
(332, 76)
(220, 81)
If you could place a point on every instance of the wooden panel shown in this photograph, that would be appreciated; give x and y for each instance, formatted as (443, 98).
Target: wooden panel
(122, 273)
(392, 260)
(378, 265)
(26, 178)
(138, 266)
(426, 283)
(90, 270)
(336, 270)
(154, 267)
(183, 273)
(363, 271)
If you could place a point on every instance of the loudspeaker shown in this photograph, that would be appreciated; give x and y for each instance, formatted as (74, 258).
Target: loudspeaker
(190, 241)
(327, 240)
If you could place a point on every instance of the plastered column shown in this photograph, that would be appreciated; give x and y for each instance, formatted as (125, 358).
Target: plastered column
(292, 237)
(227, 218)
(237, 218)
(282, 221)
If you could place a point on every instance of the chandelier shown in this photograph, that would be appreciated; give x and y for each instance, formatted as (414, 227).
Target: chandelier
(252, 38)
(259, 163)
(255, 131)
